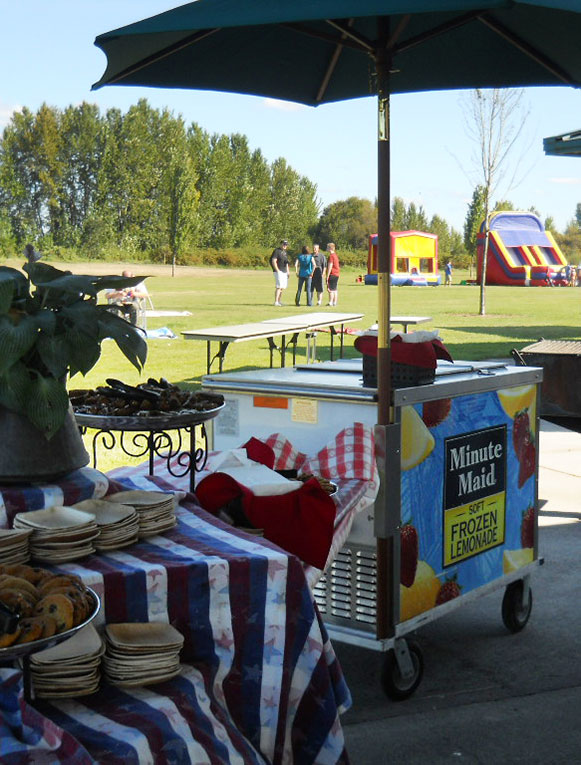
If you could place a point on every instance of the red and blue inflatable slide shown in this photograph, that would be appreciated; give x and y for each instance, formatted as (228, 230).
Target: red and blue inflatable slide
(520, 252)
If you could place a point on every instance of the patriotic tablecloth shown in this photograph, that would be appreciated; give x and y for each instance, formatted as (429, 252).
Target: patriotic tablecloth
(260, 681)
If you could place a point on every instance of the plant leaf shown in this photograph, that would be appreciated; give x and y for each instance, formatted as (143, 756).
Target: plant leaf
(17, 278)
(15, 340)
(47, 404)
(14, 387)
(6, 295)
(74, 284)
(83, 316)
(83, 351)
(54, 353)
(46, 320)
(118, 282)
(42, 272)
(130, 339)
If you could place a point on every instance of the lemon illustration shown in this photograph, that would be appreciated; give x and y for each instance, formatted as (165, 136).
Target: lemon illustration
(421, 596)
(514, 400)
(515, 559)
(416, 440)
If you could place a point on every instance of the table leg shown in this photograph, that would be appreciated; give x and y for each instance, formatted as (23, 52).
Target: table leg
(333, 333)
(294, 341)
(208, 356)
(283, 352)
(342, 333)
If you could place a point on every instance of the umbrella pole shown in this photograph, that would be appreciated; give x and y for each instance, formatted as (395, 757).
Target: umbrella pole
(384, 536)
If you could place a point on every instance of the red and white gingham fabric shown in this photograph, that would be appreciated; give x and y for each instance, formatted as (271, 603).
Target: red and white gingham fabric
(351, 454)
(348, 459)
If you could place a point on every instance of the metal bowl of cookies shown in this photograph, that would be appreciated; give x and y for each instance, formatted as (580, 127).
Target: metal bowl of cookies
(39, 609)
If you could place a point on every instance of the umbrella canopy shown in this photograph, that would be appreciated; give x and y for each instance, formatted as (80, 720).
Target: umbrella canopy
(316, 52)
(565, 145)
(324, 51)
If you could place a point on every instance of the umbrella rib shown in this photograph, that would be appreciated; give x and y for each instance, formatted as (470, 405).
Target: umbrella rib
(168, 51)
(527, 49)
(360, 44)
(460, 21)
(331, 68)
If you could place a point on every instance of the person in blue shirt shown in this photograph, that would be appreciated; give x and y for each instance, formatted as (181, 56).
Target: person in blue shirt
(448, 272)
(304, 267)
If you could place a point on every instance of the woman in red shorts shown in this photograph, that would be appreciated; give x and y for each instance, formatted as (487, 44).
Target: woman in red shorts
(333, 271)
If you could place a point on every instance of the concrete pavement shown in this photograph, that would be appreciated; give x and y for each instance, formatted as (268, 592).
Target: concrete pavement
(489, 696)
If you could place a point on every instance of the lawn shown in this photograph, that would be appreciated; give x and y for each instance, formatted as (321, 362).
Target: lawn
(515, 316)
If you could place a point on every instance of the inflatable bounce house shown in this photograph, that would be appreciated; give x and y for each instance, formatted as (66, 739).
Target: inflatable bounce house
(520, 252)
(414, 259)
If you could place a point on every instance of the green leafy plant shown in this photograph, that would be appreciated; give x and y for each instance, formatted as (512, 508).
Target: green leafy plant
(51, 328)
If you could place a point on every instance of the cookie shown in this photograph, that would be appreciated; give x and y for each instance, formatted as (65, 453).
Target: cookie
(60, 607)
(60, 580)
(32, 574)
(17, 583)
(18, 601)
(30, 629)
(79, 601)
(9, 638)
(49, 626)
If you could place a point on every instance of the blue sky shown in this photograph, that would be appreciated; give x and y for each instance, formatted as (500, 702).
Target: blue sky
(47, 55)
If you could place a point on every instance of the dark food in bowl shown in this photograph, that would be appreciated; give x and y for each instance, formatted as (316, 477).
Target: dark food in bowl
(151, 399)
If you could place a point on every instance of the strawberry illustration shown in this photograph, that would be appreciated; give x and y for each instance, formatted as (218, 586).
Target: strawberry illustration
(409, 554)
(448, 591)
(527, 464)
(527, 529)
(521, 432)
(435, 412)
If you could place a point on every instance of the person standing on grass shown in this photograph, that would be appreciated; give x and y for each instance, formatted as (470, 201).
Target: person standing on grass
(333, 271)
(304, 267)
(448, 272)
(279, 265)
(320, 265)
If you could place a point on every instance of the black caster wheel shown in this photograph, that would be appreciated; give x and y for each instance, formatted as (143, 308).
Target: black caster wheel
(395, 685)
(516, 613)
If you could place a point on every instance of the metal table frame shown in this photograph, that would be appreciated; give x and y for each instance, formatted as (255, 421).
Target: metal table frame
(271, 328)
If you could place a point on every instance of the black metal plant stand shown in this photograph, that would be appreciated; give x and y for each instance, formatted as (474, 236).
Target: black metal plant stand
(184, 452)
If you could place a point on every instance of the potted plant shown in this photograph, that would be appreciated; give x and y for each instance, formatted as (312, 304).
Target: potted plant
(51, 328)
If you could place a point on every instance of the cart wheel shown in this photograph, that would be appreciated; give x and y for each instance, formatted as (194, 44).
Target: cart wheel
(394, 684)
(515, 613)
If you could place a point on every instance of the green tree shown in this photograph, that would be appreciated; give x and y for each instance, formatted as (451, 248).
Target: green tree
(398, 215)
(348, 223)
(474, 218)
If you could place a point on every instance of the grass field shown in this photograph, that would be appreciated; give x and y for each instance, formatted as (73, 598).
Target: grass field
(515, 316)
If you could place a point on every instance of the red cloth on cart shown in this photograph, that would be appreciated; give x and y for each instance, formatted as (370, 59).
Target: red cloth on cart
(301, 522)
(415, 354)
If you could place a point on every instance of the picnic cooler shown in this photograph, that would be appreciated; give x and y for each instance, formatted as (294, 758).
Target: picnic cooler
(459, 500)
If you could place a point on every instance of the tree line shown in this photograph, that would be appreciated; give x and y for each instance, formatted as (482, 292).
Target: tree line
(144, 184)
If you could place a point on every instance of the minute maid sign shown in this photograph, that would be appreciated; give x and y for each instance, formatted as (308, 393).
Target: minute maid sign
(474, 493)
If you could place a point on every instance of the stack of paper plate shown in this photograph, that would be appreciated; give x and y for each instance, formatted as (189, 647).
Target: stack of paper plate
(14, 546)
(69, 669)
(155, 509)
(118, 524)
(59, 534)
(141, 653)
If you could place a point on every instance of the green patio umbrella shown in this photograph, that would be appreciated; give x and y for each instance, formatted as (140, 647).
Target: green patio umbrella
(321, 51)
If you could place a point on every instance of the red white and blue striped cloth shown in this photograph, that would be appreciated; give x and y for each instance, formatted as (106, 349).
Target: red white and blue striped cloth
(260, 682)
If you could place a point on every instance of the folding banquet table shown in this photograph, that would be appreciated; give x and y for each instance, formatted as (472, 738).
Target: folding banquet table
(260, 681)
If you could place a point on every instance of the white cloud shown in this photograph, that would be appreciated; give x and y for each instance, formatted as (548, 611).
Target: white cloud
(570, 181)
(6, 112)
(283, 106)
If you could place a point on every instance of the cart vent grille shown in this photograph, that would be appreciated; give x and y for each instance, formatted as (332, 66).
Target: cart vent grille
(346, 594)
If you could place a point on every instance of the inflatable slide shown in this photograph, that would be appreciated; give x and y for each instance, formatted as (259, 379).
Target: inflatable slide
(414, 259)
(520, 252)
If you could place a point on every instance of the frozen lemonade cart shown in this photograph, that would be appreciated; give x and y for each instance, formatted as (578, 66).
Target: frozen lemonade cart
(457, 506)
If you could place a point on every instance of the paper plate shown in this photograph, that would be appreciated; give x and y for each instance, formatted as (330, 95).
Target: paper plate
(144, 635)
(57, 517)
(106, 513)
